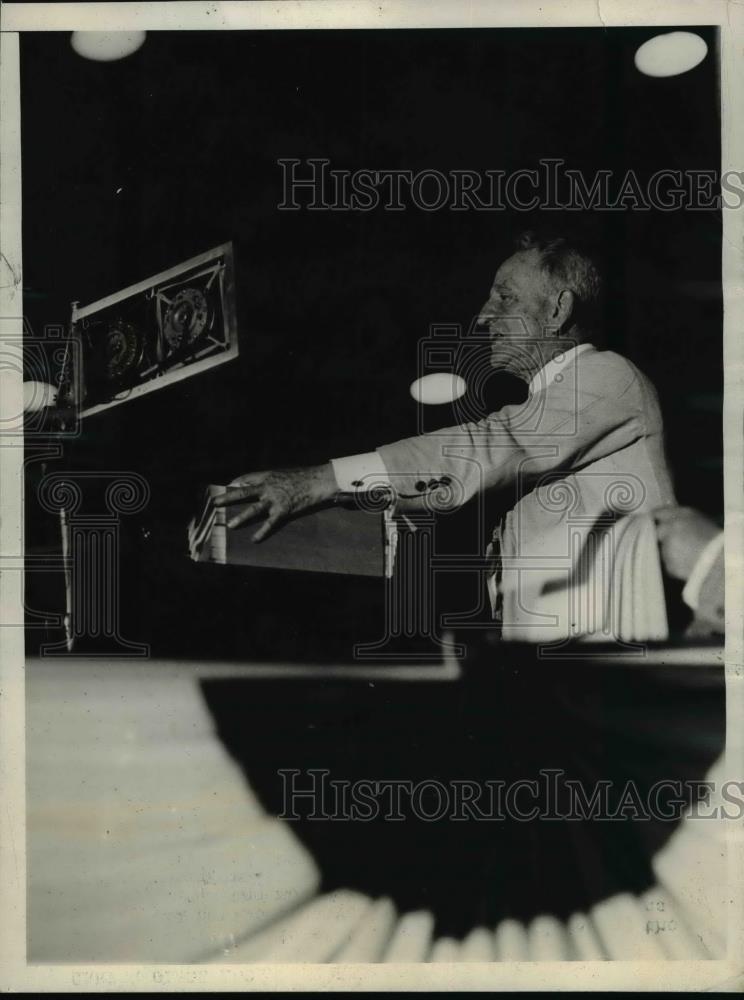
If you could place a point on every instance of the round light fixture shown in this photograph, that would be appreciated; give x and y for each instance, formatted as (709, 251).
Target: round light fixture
(671, 54)
(438, 388)
(37, 395)
(105, 46)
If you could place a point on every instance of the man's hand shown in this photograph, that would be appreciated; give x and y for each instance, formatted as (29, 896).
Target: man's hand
(683, 533)
(278, 495)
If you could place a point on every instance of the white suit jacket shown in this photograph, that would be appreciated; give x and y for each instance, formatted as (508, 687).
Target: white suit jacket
(583, 455)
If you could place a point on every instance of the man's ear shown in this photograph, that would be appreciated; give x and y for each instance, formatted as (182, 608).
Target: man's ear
(563, 308)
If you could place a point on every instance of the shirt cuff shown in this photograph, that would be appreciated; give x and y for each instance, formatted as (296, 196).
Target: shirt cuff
(360, 473)
(691, 591)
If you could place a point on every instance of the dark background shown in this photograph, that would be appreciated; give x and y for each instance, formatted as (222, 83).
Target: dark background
(130, 167)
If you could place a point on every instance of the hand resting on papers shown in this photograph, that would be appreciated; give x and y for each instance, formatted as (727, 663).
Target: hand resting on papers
(277, 495)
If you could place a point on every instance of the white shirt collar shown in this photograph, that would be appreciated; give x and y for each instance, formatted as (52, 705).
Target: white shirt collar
(547, 374)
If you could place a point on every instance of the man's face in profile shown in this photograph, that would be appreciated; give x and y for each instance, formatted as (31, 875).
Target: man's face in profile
(517, 314)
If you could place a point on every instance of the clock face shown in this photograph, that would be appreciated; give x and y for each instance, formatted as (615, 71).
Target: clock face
(122, 350)
(186, 318)
(148, 335)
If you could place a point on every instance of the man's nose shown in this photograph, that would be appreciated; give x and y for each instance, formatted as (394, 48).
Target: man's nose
(487, 312)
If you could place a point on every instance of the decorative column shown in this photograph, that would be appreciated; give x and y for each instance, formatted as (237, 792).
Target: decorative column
(410, 626)
(91, 552)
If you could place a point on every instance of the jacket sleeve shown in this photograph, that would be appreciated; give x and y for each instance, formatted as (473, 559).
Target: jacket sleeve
(567, 425)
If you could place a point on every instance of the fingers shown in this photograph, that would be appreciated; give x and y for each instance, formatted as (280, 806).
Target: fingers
(668, 519)
(664, 514)
(269, 498)
(251, 512)
(664, 525)
(237, 495)
(247, 478)
(266, 528)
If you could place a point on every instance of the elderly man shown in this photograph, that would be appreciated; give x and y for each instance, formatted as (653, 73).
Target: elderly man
(584, 451)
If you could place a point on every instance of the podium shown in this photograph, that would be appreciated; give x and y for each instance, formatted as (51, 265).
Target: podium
(328, 540)
(368, 540)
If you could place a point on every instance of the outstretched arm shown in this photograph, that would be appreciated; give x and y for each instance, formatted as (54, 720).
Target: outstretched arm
(568, 425)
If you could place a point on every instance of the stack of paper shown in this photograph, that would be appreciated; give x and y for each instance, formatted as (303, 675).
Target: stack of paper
(205, 543)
